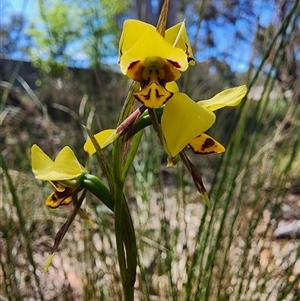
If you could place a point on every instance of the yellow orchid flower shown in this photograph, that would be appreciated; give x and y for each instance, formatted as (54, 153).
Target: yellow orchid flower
(147, 57)
(62, 173)
(183, 124)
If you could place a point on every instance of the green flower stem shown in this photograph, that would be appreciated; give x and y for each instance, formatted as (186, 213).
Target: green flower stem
(157, 127)
(131, 251)
(155, 123)
(118, 206)
(122, 217)
(131, 154)
(145, 121)
(97, 188)
(129, 103)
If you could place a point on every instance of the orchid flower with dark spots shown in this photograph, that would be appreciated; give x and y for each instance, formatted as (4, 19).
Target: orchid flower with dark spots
(63, 173)
(147, 57)
(184, 121)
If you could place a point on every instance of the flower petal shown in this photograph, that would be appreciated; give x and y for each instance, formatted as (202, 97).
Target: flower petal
(57, 198)
(65, 167)
(172, 87)
(177, 36)
(229, 97)
(137, 45)
(204, 144)
(153, 95)
(132, 30)
(103, 138)
(40, 162)
(182, 121)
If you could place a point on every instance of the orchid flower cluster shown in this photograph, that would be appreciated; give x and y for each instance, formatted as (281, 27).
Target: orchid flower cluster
(154, 59)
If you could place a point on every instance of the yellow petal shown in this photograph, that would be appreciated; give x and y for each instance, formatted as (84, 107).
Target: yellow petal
(147, 42)
(177, 36)
(40, 162)
(229, 97)
(153, 95)
(57, 186)
(132, 30)
(65, 167)
(204, 144)
(172, 87)
(182, 121)
(103, 138)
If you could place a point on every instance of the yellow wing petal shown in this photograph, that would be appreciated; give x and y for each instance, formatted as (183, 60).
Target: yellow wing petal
(229, 97)
(204, 144)
(40, 162)
(177, 36)
(182, 121)
(103, 138)
(65, 167)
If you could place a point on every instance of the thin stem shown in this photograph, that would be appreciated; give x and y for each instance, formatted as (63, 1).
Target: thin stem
(62, 232)
(155, 122)
(131, 154)
(95, 186)
(122, 217)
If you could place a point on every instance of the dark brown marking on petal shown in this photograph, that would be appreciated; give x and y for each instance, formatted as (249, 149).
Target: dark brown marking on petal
(61, 195)
(132, 65)
(161, 82)
(143, 83)
(201, 152)
(175, 64)
(145, 96)
(157, 94)
(187, 49)
(54, 197)
(207, 144)
(170, 96)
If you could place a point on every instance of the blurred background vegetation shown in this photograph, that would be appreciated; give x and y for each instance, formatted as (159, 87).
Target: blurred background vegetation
(58, 70)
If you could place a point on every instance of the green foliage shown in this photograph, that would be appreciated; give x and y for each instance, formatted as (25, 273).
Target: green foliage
(68, 30)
